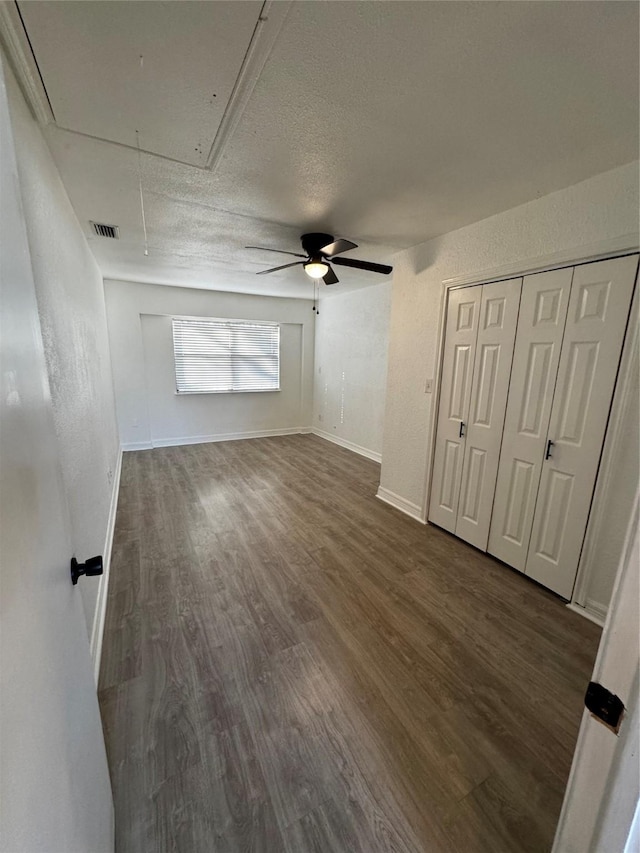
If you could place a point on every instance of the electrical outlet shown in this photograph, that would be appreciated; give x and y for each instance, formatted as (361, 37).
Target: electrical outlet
(428, 386)
(109, 476)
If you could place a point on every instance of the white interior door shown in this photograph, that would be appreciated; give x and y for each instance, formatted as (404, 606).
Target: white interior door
(54, 780)
(596, 322)
(463, 311)
(543, 311)
(603, 792)
(489, 389)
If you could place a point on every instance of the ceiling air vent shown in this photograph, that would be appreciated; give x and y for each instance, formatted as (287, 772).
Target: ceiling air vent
(101, 230)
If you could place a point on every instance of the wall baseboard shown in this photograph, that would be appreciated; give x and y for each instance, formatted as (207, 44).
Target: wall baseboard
(350, 445)
(597, 609)
(407, 507)
(206, 439)
(137, 445)
(593, 611)
(225, 436)
(97, 630)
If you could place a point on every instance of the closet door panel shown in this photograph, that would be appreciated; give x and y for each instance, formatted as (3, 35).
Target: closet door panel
(598, 310)
(463, 310)
(543, 312)
(492, 367)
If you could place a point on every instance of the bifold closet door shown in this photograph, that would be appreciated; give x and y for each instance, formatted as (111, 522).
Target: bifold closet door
(596, 322)
(489, 389)
(463, 310)
(543, 311)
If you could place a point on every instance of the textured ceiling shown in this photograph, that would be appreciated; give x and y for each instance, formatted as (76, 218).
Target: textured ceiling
(385, 122)
(135, 69)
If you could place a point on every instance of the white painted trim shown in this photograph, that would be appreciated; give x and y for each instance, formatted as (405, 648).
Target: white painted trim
(407, 507)
(598, 618)
(137, 445)
(206, 439)
(227, 436)
(97, 630)
(435, 405)
(633, 841)
(350, 445)
(16, 44)
(597, 609)
(270, 22)
(627, 244)
(624, 388)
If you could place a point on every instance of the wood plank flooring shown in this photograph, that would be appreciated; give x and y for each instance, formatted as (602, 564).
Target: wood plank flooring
(290, 666)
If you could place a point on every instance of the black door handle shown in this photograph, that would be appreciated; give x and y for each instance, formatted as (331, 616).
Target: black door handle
(91, 568)
(461, 433)
(550, 444)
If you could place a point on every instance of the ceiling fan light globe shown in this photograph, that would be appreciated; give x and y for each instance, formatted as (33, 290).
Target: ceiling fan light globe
(316, 269)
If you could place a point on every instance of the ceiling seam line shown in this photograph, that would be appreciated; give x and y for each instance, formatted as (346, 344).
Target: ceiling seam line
(35, 59)
(243, 89)
(131, 147)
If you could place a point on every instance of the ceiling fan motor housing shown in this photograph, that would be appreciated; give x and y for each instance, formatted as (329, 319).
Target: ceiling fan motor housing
(313, 243)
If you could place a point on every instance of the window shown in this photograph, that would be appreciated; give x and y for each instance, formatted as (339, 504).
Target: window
(221, 355)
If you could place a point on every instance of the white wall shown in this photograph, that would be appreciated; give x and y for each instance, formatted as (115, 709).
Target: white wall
(350, 377)
(72, 316)
(149, 411)
(603, 208)
(54, 781)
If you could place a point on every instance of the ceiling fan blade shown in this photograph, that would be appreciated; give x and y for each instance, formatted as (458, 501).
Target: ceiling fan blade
(280, 251)
(283, 267)
(362, 265)
(337, 247)
(330, 277)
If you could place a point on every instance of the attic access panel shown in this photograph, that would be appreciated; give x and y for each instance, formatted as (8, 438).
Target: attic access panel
(89, 56)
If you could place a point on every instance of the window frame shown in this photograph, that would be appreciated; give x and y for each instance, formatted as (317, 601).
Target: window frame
(229, 322)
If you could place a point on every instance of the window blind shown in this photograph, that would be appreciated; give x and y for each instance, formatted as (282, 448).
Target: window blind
(217, 356)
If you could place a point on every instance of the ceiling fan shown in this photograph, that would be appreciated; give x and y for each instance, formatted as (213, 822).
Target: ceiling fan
(320, 249)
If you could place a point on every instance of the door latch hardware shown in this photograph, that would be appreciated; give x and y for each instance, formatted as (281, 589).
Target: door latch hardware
(604, 705)
(91, 568)
(550, 444)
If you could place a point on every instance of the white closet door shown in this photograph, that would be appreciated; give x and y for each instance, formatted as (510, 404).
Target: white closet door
(463, 310)
(543, 311)
(492, 366)
(596, 323)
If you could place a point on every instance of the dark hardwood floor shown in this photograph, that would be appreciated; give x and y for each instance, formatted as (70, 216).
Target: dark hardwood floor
(290, 665)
